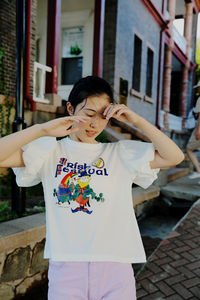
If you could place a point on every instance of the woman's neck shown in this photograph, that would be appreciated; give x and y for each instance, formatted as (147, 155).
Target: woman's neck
(75, 138)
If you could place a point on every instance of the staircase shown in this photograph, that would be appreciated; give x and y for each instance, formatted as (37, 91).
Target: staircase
(117, 130)
(171, 182)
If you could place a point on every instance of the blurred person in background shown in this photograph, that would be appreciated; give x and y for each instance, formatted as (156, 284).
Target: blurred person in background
(194, 140)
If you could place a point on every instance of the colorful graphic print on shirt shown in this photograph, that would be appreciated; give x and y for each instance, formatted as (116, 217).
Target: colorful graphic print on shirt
(75, 184)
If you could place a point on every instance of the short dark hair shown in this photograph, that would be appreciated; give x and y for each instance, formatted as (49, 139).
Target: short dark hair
(89, 86)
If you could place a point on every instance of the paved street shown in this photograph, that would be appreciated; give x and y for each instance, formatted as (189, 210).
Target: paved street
(173, 270)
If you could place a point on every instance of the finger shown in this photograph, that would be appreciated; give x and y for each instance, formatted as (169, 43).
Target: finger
(109, 113)
(121, 111)
(70, 123)
(77, 118)
(112, 112)
(72, 130)
(107, 109)
(82, 117)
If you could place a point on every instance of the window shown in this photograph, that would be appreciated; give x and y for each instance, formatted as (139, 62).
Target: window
(72, 55)
(71, 70)
(137, 63)
(149, 73)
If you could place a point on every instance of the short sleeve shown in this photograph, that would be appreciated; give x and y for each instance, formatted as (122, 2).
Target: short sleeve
(136, 156)
(34, 155)
(197, 106)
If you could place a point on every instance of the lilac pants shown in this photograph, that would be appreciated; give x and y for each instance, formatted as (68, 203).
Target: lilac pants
(91, 281)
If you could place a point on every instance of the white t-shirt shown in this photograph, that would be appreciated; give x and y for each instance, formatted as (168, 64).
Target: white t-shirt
(88, 196)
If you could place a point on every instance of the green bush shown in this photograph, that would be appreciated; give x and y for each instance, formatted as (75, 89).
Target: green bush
(5, 212)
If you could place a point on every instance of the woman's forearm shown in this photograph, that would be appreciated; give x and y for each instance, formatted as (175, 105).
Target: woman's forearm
(13, 142)
(165, 146)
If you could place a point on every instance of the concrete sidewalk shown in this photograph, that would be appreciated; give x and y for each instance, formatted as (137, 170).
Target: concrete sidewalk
(173, 270)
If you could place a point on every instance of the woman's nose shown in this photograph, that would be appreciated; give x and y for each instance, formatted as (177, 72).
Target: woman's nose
(94, 121)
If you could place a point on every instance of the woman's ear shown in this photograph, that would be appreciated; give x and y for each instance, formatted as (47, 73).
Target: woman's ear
(70, 108)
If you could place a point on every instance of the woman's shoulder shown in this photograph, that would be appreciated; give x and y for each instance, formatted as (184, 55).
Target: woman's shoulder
(41, 146)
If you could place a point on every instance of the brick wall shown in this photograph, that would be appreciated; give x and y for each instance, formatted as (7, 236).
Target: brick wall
(8, 37)
(110, 28)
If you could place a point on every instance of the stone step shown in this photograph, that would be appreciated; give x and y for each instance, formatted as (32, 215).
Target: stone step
(140, 195)
(128, 136)
(187, 190)
(118, 129)
(113, 136)
(175, 173)
(186, 163)
(115, 128)
(137, 133)
(141, 198)
(186, 157)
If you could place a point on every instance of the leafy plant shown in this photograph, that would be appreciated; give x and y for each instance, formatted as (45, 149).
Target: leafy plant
(7, 103)
(102, 137)
(75, 50)
(6, 213)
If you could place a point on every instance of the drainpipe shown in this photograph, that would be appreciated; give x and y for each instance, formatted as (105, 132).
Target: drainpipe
(28, 56)
(99, 14)
(163, 28)
(185, 74)
(159, 75)
(53, 44)
(168, 65)
(19, 193)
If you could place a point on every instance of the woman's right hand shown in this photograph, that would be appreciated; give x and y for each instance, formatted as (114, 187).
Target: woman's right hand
(59, 127)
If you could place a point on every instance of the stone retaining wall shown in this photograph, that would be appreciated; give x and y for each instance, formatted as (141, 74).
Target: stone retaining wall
(22, 265)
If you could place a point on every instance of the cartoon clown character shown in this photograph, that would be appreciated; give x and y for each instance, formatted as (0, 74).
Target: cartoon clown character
(75, 187)
(66, 188)
(81, 190)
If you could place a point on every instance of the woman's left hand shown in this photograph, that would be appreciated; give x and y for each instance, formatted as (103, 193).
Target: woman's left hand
(120, 112)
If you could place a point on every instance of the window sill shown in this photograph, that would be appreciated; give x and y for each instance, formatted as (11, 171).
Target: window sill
(141, 96)
(148, 99)
(137, 94)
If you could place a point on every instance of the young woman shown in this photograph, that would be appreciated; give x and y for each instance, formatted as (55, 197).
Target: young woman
(92, 236)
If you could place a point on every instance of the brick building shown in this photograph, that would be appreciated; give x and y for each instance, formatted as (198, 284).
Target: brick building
(135, 45)
(145, 47)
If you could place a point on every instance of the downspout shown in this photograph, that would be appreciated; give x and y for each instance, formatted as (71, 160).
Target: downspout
(28, 56)
(164, 26)
(159, 76)
(99, 15)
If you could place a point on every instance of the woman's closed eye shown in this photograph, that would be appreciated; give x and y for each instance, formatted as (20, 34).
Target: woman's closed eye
(93, 115)
(89, 115)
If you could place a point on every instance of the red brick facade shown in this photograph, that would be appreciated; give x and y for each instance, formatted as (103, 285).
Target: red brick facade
(8, 38)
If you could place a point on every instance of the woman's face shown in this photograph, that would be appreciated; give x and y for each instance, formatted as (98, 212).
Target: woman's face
(92, 107)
